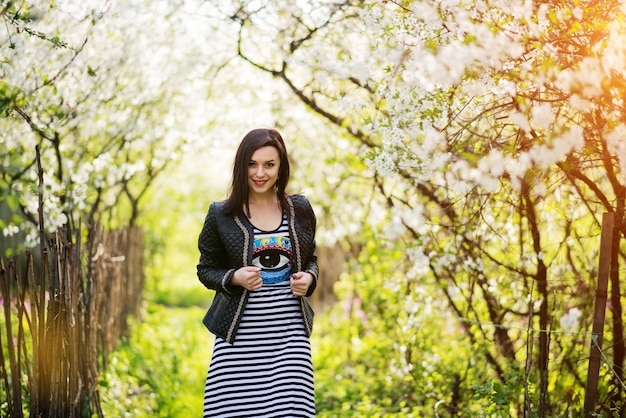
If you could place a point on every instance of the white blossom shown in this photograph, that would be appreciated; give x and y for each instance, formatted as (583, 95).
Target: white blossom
(569, 321)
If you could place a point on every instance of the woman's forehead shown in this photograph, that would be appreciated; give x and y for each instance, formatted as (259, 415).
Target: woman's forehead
(265, 154)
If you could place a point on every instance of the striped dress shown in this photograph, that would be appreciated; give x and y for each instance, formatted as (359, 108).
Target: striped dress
(268, 371)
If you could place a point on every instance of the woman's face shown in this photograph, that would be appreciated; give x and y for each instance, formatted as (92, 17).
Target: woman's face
(263, 170)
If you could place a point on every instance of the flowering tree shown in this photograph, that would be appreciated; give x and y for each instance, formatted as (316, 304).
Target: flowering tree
(97, 87)
(508, 125)
(494, 139)
(94, 108)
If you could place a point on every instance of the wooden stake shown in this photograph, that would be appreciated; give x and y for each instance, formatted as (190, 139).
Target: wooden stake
(595, 355)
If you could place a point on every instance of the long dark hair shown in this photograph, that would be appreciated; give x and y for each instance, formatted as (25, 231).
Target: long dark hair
(239, 190)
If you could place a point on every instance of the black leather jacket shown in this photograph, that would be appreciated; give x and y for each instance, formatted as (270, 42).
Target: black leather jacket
(225, 245)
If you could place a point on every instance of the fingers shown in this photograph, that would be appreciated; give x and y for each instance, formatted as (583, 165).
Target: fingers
(248, 277)
(300, 283)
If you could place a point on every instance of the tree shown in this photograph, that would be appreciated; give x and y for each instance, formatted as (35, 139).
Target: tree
(97, 87)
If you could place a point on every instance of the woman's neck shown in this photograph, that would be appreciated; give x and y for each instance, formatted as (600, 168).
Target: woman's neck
(265, 213)
(267, 199)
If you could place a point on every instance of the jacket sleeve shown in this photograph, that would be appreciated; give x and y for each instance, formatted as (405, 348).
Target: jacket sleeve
(310, 264)
(213, 268)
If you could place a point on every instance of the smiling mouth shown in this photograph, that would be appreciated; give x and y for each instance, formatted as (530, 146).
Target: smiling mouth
(260, 182)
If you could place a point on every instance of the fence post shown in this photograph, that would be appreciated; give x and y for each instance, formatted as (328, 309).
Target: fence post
(604, 266)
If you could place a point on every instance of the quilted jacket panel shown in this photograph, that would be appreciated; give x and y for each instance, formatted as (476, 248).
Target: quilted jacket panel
(225, 245)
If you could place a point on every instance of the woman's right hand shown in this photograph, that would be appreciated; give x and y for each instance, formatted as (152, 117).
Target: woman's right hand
(248, 277)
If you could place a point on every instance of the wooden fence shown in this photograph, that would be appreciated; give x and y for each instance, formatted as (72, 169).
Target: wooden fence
(61, 316)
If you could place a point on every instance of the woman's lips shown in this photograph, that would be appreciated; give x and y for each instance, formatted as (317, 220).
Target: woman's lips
(259, 183)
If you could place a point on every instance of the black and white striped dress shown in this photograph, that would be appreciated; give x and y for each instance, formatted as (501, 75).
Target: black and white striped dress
(268, 371)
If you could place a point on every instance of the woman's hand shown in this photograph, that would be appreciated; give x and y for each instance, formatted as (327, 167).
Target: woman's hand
(300, 282)
(248, 277)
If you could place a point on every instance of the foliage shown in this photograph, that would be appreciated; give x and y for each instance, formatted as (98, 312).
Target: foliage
(158, 371)
(381, 354)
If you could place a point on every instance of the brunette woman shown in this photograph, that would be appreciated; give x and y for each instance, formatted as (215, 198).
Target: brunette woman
(257, 252)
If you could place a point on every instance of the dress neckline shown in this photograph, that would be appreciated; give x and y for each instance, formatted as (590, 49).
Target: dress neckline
(265, 231)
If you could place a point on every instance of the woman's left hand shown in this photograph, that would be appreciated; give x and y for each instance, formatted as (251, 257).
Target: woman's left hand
(300, 282)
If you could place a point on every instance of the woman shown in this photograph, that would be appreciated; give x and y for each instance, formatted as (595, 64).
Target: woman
(257, 251)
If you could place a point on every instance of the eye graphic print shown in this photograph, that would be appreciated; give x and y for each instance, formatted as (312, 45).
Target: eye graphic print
(270, 259)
